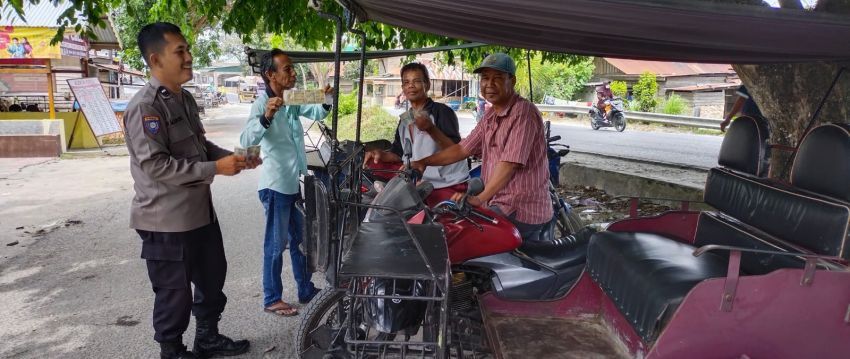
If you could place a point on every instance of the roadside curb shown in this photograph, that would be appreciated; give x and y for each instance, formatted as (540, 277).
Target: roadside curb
(622, 177)
(642, 161)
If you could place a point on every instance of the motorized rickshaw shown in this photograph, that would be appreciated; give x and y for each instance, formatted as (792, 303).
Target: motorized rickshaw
(764, 274)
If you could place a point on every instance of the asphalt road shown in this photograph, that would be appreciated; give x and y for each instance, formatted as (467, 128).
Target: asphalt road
(681, 149)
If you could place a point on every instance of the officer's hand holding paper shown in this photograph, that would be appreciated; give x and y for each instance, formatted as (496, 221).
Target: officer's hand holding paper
(230, 165)
(251, 154)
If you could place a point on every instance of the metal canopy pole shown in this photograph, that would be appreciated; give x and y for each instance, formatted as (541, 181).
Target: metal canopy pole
(530, 87)
(333, 165)
(350, 17)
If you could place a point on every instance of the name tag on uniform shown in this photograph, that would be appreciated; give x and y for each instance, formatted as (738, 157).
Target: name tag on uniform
(152, 124)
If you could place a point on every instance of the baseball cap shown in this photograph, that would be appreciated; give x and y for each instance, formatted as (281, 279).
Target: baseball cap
(498, 61)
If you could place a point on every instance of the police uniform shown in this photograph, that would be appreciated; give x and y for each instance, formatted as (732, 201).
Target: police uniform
(173, 165)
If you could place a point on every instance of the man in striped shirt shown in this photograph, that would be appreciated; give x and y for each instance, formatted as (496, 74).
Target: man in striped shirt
(510, 142)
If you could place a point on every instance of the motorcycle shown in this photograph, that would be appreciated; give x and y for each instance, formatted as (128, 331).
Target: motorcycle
(409, 268)
(612, 115)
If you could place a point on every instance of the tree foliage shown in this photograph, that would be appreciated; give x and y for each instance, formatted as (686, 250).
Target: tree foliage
(292, 19)
(559, 79)
(131, 15)
(620, 89)
(645, 92)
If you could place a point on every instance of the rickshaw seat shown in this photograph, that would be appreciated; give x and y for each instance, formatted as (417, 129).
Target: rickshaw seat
(648, 275)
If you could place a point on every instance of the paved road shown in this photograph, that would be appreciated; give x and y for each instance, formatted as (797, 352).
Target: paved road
(673, 148)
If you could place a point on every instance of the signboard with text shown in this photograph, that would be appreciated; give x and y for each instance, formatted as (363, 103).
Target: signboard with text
(95, 105)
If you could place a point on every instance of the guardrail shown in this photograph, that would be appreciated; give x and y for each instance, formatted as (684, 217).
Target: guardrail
(685, 121)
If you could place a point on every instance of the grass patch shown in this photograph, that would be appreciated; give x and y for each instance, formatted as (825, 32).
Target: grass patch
(376, 124)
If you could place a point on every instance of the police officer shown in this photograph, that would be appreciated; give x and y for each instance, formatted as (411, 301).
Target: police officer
(173, 164)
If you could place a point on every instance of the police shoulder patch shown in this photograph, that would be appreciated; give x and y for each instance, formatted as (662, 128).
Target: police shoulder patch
(152, 124)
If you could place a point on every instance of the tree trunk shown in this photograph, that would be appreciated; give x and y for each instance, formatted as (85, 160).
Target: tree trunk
(320, 71)
(789, 94)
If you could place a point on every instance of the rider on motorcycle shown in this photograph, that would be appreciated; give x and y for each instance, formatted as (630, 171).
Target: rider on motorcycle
(413, 138)
(603, 98)
(509, 140)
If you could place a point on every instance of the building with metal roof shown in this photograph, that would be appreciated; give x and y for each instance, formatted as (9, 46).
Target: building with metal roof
(47, 14)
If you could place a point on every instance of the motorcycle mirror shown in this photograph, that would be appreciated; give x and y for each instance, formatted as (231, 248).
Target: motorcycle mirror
(474, 186)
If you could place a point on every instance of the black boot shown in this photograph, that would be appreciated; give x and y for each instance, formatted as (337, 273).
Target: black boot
(174, 351)
(209, 343)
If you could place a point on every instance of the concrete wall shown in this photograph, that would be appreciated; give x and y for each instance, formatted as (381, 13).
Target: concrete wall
(83, 137)
(12, 146)
(708, 104)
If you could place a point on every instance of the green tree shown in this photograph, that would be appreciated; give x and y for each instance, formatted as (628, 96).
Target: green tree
(351, 70)
(645, 92)
(131, 15)
(620, 89)
(559, 79)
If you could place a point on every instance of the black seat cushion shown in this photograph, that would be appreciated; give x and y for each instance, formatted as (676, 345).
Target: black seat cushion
(822, 164)
(798, 217)
(745, 147)
(562, 253)
(647, 275)
(715, 228)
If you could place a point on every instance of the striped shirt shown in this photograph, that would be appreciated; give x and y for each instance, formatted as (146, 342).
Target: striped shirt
(515, 135)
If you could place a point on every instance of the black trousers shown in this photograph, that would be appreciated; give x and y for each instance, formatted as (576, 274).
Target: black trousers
(176, 260)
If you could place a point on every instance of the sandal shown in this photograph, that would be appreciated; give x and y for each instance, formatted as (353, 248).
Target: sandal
(282, 309)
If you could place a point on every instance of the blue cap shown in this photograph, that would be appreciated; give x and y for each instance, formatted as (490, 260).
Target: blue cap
(498, 61)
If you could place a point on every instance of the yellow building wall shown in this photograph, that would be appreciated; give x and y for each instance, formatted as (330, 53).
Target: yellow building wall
(83, 136)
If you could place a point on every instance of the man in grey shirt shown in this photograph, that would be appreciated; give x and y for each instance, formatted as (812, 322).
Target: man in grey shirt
(413, 141)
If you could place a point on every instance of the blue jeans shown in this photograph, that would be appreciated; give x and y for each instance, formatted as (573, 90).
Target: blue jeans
(528, 232)
(284, 225)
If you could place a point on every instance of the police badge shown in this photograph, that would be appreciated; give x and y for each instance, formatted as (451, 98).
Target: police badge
(151, 124)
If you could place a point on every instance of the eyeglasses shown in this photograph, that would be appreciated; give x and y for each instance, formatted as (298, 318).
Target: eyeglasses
(417, 83)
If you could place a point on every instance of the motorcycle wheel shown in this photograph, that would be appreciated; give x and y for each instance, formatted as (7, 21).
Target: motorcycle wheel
(321, 311)
(593, 125)
(566, 222)
(620, 122)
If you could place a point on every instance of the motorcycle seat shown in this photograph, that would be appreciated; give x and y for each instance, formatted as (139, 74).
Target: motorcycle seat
(560, 254)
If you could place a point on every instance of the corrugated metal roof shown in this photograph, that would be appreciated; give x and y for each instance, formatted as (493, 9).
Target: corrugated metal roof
(43, 14)
(47, 13)
(660, 68)
(106, 37)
